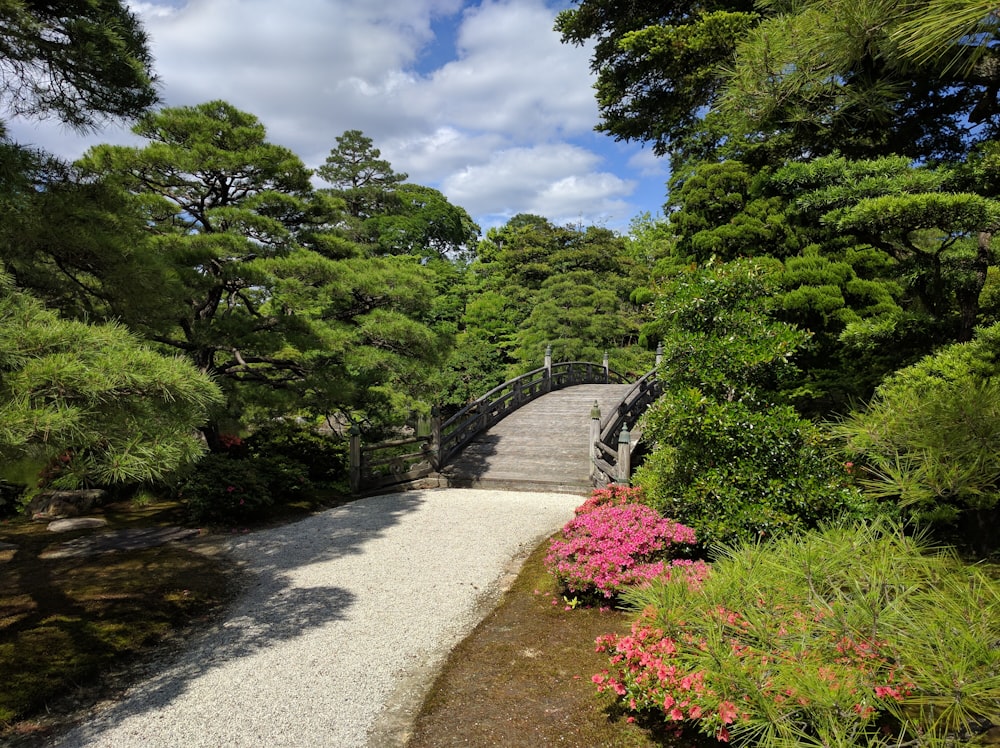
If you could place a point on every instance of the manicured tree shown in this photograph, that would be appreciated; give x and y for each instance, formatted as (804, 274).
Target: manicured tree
(937, 240)
(730, 458)
(91, 401)
(270, 300)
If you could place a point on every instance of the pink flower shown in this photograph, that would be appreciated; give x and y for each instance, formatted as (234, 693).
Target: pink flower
(727, 712)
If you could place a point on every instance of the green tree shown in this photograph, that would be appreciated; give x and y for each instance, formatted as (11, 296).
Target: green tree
(79, 245)
(420, 221)
(937, 239)
(91, 401)
(658, 65)
(730, 457)
(271, 300)
(777, 80)
(359, 175)
(929, 440)
(79, 61)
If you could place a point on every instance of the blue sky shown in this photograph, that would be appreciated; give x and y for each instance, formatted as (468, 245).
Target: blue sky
(477, 99)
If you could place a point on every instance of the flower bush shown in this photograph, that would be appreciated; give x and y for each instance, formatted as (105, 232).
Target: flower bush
(614, 495)
(613, 544)
(846, 637)
(224, 489)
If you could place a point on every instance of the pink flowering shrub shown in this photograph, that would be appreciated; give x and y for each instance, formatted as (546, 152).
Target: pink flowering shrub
(674, 674)
(613, 544)
(616, 494)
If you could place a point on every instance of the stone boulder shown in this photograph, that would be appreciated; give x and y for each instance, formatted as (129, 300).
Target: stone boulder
(57, 504)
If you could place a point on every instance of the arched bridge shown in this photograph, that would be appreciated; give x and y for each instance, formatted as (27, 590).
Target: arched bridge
(557, 428)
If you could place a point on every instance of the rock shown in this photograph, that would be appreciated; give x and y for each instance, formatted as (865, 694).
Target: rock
(56, 504)
(75, 523)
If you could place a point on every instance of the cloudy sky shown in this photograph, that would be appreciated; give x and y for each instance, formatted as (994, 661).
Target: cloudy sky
(478, 99)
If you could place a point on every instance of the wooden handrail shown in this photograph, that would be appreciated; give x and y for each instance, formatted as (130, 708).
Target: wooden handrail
(499, 402)
(625, 414)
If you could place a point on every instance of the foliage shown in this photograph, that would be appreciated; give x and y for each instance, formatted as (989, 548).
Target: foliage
(359, 175)
(269, 298)
(728, 457)
(227, 489)
(92, 401)
(614, 543)
(934, 235)
(843, 637)
(76, 244)
(717, 335)
(738, 473)
(930, 439)
(79, 61)
(534, 284)
(768, 81)
(659, 66)
(323, 456)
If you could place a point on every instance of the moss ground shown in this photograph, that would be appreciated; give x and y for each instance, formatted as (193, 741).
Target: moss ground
(523, 677)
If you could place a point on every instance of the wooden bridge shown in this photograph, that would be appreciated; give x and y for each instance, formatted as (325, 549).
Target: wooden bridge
(565, 427)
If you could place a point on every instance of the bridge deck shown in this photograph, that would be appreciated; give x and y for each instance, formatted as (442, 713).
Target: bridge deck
(542, 446)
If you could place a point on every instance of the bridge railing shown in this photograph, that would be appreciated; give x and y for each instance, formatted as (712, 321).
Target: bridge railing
(611, 435)
(499, 402)
(377, 466)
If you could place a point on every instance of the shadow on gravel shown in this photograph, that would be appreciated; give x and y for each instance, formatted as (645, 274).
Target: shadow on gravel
(272, 605)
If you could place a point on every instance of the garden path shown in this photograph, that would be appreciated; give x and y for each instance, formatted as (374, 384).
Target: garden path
(344, 621)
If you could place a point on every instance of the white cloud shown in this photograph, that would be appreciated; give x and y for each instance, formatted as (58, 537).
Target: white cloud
(559, 181)
(648, 164)
(493, 126)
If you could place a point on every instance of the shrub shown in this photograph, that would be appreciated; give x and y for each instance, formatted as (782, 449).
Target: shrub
(225, 489)
(930, 440)
(324, 456)
(845, 637)
(614, 545)
(616, 494)
(735, 473)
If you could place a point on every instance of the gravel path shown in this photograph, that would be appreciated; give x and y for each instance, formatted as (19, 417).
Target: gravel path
(346, 619)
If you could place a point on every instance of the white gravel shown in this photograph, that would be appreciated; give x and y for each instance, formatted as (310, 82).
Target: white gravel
(347, 617)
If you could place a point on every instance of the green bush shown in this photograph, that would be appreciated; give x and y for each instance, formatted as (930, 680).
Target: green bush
(930, 440)
(845, 637)
(734, 473)
(225, 489)
(324, 456)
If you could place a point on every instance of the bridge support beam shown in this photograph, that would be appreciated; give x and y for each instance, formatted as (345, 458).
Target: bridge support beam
(624, 456)
(595, 436)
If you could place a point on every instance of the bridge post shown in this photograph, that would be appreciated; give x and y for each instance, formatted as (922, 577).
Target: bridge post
(607, 368)
(624, 456)
(548, 368)
(659, 354)
(437, 458)
(355, 458)
(595, 435)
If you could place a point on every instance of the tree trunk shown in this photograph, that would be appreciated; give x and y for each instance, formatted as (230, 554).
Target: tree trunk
(968, 297)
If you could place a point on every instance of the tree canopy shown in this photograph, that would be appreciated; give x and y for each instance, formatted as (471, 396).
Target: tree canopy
(78, 60)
